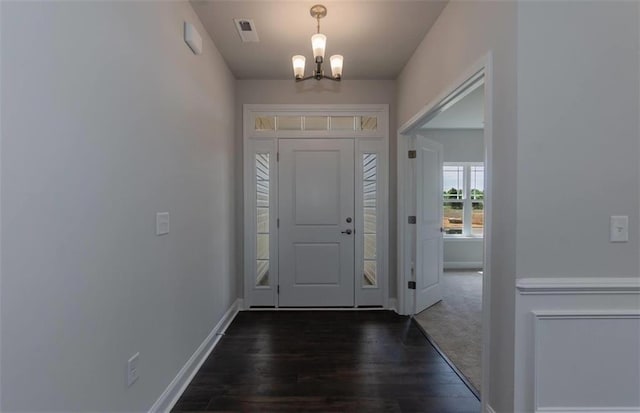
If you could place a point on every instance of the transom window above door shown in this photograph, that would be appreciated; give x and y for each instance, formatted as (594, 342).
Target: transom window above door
(315, 123)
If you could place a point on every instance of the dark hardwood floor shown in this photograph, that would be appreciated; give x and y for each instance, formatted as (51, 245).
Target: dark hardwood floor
(325, 361)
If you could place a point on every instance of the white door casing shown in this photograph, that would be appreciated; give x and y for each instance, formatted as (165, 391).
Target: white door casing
(316, 243)
(429, 242)
(264, 126)
(480, 73)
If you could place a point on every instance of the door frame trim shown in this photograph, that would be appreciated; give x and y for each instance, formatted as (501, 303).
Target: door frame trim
(267, 141)
(481, 69)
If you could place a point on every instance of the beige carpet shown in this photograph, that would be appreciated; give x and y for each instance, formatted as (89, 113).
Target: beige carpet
(455, 322)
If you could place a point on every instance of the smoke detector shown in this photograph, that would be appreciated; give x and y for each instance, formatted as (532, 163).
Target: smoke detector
(247, 30)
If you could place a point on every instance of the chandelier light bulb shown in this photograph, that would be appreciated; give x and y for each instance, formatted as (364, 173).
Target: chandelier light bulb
(298, 66)
(319, 44)
(336, 65)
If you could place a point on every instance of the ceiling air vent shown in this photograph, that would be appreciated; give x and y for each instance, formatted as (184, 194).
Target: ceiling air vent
(247, 30)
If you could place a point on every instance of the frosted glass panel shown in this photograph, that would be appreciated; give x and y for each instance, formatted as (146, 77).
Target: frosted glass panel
(370, 274)
(369, 123)
(262, 218)
(265, 123)
(262, 278)
(289, 123)
(370, 198)
(342, 123)
(262, 167)
(370, 194)
(370, 246)
(316, 123)
(263, 247)
(370, 220)
(370, 168)
(298, 123)
(262, 194)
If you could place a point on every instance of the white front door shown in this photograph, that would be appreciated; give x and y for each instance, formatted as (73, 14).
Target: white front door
(316, 212)
(428, 223)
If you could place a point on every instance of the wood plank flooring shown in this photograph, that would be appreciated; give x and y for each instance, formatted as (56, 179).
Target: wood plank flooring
(325, 361)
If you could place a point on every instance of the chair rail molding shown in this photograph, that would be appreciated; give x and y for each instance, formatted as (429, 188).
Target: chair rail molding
(582, 285)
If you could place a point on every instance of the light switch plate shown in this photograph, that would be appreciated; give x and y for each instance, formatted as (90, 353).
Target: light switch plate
(162, 223)
(619, 228)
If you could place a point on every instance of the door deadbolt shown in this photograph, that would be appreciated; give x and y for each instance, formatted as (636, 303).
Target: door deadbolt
(349, 220)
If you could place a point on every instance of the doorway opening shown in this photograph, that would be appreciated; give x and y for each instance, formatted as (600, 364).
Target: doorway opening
(444, 227)
(451, 316)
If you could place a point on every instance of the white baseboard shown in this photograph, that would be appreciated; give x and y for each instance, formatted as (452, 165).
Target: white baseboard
(174, 390)
(462, 265)
(588, 409)
(393, 304)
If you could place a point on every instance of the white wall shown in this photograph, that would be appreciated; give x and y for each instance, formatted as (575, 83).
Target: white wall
(463, 254)
(108, 118)
(566, 126)
(464, 33)
(577, 137)
(313, 92)
(461, 145)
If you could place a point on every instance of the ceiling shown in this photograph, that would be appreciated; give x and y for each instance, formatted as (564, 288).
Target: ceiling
(468, 113)
(376, 37)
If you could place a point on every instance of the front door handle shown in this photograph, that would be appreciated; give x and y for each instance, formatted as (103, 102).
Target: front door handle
(348, 232)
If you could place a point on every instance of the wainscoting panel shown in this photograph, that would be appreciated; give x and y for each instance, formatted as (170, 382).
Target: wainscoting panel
(577, 345)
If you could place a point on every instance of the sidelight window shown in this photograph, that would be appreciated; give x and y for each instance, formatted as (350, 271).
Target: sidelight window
(262, 218)
(370, 197)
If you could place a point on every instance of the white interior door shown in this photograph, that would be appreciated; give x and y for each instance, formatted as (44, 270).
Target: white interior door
(316, 211)
(428, 223)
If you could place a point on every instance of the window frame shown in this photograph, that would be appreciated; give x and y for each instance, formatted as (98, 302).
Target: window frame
(466, 200)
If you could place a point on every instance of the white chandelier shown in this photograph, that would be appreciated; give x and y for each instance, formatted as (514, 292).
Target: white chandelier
(318, 43)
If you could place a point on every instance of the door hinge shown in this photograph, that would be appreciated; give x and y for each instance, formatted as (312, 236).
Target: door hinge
(413, 154)
(278, 288)
(277, 156)
(278, 223)
(412, 285)
(412, 219)
(441, 229)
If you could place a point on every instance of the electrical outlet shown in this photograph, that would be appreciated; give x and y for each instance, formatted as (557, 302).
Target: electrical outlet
(619, 228)
(132, 369)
